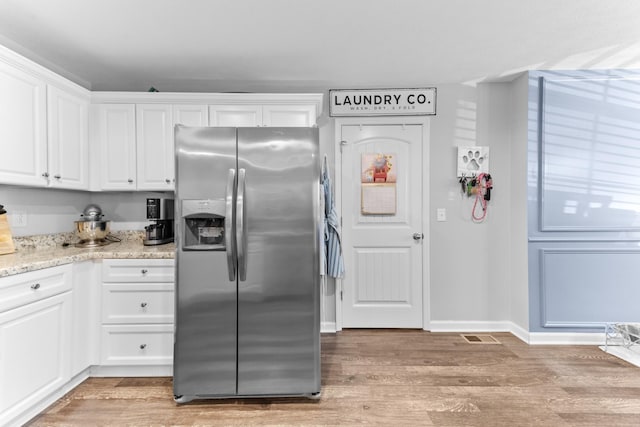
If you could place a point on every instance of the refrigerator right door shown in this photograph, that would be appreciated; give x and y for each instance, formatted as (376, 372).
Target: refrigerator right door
(279, 276)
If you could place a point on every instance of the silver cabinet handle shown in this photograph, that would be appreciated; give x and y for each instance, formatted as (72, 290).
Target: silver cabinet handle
(45, 174)
(35, 286)
(229, 239)
(418, 236)
(143, 304)
(130, 181)
(143, 346)
(57, 176)
(144, 271)
(168, 181)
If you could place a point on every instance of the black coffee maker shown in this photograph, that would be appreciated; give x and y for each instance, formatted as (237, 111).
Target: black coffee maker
(160, 212)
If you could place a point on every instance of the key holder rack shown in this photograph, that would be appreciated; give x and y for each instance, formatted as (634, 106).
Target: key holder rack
(472, 161)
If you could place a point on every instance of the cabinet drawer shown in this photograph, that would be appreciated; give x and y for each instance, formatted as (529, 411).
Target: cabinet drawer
(33, 286)
(137, 344)
(137, 303)
(138, 270)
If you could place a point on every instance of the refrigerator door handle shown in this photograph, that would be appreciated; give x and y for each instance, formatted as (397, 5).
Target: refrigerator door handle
(241, 226)
(229, 239)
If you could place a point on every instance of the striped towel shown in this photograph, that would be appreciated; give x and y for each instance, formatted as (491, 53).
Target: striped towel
(334, 264)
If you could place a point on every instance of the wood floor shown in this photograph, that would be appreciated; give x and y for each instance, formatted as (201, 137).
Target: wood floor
(395, 378)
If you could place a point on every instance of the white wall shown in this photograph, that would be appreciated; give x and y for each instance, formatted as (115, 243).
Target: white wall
(469, 266)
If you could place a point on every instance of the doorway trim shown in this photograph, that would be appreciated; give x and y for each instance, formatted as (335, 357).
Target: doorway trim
(426, 214)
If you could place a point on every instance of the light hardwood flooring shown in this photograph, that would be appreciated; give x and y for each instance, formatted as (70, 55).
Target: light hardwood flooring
(395, 378)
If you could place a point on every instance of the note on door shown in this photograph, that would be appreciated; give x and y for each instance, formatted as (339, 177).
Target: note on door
(379, 199)
(378, 183)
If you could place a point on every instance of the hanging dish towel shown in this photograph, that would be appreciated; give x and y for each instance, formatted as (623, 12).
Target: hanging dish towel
(334, 263)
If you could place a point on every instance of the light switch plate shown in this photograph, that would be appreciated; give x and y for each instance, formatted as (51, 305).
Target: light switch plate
(441, 214)
(18, 219)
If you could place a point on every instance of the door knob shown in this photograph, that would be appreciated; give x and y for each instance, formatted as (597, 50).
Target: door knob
(418, 236)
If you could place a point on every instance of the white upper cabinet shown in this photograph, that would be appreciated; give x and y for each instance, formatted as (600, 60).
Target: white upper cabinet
(134, 132)
(116, 139)
(154, 141)
(289, 115)
(285, 115)
(23, 131)
(68, 140)
(190, 115)
(235, 115)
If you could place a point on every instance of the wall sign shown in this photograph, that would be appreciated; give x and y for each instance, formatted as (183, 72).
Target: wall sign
(382, 102)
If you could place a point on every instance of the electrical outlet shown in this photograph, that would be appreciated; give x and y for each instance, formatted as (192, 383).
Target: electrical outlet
(18, 219)
(441, 214)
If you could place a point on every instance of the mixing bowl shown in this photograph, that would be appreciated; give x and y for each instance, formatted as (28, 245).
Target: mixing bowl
(92, 230)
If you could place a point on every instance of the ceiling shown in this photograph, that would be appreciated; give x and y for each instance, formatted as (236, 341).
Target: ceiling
(309, 45)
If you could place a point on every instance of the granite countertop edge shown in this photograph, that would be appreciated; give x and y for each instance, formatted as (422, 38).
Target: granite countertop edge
(26, 260)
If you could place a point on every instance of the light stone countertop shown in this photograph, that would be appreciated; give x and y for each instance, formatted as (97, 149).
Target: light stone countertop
(30, 257)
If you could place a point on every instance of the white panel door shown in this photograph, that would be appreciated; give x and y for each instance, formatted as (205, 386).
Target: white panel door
(35, 357)
(23, 132)
(68, 140)
(117, 139)
(235, 115)
(383, 285)
(190, 115)
(154, 143)
(289, 115)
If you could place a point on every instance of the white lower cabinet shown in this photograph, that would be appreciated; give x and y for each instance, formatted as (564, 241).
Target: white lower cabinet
(61, 324)
(137, 312)
(35, 338)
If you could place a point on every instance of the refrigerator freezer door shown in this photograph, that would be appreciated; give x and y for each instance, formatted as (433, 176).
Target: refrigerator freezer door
(278, 303)
(206, 299)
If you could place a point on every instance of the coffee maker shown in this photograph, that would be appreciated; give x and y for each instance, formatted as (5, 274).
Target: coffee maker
(160, 212)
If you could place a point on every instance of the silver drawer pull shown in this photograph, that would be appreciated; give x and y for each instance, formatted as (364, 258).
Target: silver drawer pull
(144, 271)
(35, 286)
(143, 304)
(143, 346)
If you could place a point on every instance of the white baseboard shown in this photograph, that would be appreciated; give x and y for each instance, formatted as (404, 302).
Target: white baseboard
(469, 326)
(532, 338)
(566, 338)
(132, 371)
(328, 327)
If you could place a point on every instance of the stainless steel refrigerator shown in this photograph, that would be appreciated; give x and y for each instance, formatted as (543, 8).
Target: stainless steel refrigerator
(247, 263)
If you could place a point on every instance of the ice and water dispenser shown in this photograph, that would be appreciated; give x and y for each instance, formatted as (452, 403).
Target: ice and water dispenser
(203, 222)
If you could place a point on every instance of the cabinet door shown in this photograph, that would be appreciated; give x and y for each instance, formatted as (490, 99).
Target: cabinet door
(23, 142)
(235, 115)
(117, 140)
(190, 115)
(289, 115)
(154, 140)
(35, 359)
(68, 140)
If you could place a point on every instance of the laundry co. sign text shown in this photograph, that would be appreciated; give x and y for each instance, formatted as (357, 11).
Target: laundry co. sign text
(382, 102)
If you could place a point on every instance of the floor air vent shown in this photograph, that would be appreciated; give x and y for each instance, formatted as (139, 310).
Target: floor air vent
(480, 339)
